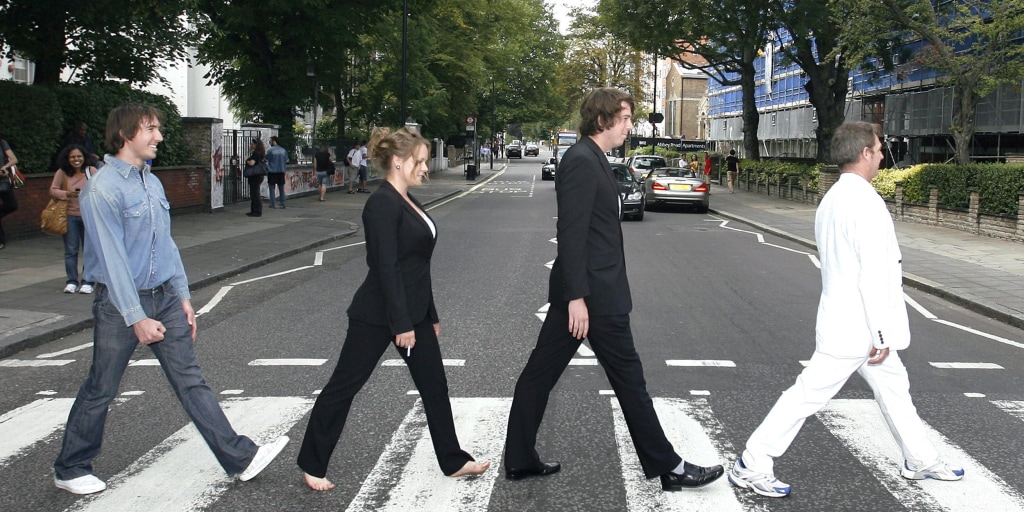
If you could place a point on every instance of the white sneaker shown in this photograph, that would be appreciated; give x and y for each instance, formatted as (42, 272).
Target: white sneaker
(938, 471)
(761, 483)
(264, 456)
(86, 288)
(71, 288)
(87, 484)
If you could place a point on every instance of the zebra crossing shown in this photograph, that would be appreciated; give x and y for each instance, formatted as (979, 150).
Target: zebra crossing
(405, 476)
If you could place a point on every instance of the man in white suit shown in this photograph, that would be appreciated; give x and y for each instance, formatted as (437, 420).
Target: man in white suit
(862, 323)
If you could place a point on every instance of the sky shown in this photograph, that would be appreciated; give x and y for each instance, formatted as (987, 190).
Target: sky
(561, 8)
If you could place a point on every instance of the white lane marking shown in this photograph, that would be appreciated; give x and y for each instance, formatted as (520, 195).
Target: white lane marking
(30, 424)
(920, 309)
(184, 459)
(554, 241)
(550, 264)
(48, 392)
(406, 476)
(466, 193)
(219, 296)
(133, 393)
(277, 274)
(582, 362)
(805, 362)
(982, 334)
(446, 362)
(700, 392)
(413, 392)
(860, 426)
(974, 395)
(287, 362)
(720, 363)
(23, 363)
(65, 351)
(318, 259)
(814, 261)
(1013, 407)
(609, 392)
(584, 351)
(232, 392)
(145, 362)
(693, 430)
(968, 366)
(329, 249)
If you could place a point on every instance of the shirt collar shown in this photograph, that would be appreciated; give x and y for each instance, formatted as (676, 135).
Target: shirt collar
(123, 168)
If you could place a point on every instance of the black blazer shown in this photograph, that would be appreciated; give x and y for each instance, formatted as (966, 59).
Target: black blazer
(397, 292)
(591, 263)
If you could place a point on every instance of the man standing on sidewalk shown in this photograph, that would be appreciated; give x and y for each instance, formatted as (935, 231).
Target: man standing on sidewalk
(277, 159)
(589, 296)
(142, 296)
(862, 323)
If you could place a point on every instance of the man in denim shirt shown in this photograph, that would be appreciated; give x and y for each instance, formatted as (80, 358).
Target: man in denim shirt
(142, 296)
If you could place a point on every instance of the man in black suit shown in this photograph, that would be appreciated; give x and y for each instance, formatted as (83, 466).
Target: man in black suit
(589, 296)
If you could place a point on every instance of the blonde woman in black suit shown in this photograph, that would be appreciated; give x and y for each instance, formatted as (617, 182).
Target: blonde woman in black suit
(394, 306)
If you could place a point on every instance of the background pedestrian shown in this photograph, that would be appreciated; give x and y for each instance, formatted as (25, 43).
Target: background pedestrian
(68, 182)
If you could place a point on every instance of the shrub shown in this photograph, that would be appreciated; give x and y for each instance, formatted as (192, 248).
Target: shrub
(32, 121)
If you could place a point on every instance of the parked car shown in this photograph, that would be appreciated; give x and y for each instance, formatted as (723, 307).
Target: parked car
(513, 150)
(547, 172)
(640, 164)
(676, 185)
(532, 150)
(634, 197)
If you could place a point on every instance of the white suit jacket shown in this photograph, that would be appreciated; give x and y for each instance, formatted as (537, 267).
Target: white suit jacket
(861, 273)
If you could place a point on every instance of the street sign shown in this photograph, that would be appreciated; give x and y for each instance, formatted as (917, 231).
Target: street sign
(471, 120)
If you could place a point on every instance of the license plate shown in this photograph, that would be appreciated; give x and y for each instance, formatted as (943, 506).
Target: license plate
(681, 187)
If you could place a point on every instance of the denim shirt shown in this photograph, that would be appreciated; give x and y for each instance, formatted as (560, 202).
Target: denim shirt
(128, 228)
(277, 158)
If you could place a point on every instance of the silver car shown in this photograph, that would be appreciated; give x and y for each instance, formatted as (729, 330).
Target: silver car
(676, 185)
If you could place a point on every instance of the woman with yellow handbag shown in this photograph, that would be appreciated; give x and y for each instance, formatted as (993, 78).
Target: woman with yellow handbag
(68, 182)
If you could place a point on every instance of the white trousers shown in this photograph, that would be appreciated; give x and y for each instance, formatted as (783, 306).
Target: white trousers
(824, 376)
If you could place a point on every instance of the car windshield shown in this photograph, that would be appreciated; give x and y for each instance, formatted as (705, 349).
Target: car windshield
(647, 163)
(669, 172)
(622, 174)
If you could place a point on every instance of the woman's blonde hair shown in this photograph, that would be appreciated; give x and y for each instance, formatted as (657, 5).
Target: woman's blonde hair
(386, 144)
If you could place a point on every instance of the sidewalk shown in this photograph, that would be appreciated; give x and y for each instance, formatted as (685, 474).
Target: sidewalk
(983, 274)
(213, 247)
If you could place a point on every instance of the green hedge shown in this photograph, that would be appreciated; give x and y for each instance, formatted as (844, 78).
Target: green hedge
(31, 125)
(36, 119)
(998, 185)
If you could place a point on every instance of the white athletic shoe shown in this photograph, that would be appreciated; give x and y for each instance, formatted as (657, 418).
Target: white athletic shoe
(87, 484)
(938, 471)
(86, 288)
(761, 483)
(264, 456)
(71, 288)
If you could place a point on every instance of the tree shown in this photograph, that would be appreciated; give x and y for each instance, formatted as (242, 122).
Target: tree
(725, 34)
(595, 60)
(974, 44)
(815, 46)
(127, 40)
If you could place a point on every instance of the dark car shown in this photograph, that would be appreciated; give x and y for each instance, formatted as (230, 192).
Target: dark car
(514, 150)
(547, 172)
(532, 150)
(676, 185)
(640, 164)
(634, 197)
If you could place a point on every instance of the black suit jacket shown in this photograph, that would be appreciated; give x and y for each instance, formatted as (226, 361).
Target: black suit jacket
(591, 263)
(397, 292)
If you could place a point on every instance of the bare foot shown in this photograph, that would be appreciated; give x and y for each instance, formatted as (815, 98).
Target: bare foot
(317, 484)
(471, 468)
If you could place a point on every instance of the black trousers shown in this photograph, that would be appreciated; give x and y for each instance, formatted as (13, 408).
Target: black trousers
(612, 341)
(360, 354)
(255, 201)
(8, 205)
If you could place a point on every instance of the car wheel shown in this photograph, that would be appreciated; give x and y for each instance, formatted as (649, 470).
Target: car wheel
(704, 208)
(639, 215)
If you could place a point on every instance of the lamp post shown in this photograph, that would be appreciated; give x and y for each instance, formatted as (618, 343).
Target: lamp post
(494, 119)
(405, 56)
(311, 72)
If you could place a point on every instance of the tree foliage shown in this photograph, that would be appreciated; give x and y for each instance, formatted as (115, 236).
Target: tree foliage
(726, 34)
(974, 45)
(126, 40)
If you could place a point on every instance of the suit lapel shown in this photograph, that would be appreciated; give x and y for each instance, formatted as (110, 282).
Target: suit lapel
(412, 211)
(606, 169)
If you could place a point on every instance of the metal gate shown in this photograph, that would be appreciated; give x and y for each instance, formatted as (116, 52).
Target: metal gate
(236, 150)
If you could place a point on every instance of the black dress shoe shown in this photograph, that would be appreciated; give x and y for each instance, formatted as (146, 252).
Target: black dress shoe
(693, 476)
(546, 468)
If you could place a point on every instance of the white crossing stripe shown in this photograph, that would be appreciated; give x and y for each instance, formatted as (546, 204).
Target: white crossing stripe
(22, 363)
(968, 366)
(287, 362)
(859, 424)
(692, 429)
(1013, 407)
(582, 362)
(584, 351)
(720, 363)
(145, 362)
(181, 473)
(480, 424)
(446, 362)
(65, 351)
(23, 427)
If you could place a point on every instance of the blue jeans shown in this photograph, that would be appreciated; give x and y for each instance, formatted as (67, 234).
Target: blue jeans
(113, 345)
(276, 180)
(74, 243)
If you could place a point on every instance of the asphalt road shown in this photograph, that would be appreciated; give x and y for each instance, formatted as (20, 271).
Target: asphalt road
(722, 317)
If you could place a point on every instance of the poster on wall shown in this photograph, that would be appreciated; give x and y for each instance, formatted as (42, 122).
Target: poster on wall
(216, 166)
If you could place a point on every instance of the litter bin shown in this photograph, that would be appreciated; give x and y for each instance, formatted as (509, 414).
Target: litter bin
(470, 171)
